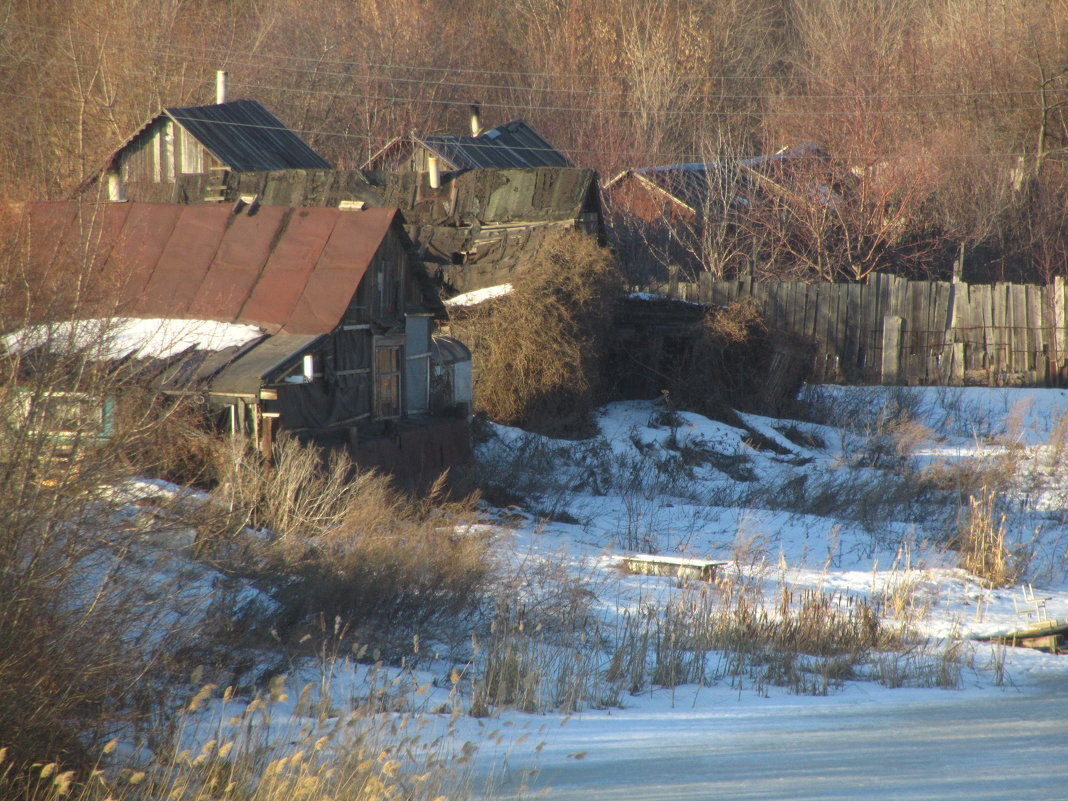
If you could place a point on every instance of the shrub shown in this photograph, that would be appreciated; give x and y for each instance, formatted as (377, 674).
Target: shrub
(81, 633)
(726, 365)
(539, 350)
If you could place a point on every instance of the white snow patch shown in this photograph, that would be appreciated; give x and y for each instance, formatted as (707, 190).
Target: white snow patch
(477, 296)
(115, 338)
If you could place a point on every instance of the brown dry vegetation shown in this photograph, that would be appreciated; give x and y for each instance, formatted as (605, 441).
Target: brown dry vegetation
(540, 349)
(946, 122)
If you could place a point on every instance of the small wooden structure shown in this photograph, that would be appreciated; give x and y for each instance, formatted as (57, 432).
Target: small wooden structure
(203, 144)
(1044, 635)
(678, 567)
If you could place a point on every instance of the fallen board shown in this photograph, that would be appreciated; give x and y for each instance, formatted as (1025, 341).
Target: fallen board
(674, 566)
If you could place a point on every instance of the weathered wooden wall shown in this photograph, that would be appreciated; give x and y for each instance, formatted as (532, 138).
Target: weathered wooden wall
(893, 330)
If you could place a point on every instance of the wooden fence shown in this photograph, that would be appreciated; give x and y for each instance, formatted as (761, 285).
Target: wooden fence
(892, 330)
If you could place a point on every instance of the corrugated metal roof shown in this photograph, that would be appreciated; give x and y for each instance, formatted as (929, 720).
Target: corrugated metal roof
(245, 136)
(514, 144)
(288, 270)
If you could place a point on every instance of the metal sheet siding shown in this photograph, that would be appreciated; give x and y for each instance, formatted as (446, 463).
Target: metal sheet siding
(348, 253)
(283, 269)
(514, 144)
(245, 136)
(137, 250)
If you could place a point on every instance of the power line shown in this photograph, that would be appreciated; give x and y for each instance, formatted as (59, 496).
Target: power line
(668, 112)
(663, 157)
(248, 58)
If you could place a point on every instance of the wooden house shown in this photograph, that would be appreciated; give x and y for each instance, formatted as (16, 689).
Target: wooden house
(514, 144)
(661, 215)
(184, 154)
(345, 348)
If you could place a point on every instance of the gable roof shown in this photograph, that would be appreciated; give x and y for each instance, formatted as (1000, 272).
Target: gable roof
(241, 134)
(285, 270)
(514, 144)
(693, 184)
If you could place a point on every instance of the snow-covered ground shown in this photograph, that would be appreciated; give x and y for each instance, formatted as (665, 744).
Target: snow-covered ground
(860, 505)
(758, 503)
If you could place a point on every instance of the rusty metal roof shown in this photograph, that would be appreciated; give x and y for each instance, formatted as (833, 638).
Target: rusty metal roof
(286, 270)
(514, 144)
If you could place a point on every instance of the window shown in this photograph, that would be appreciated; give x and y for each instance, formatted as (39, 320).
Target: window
(388, 269)
(387, 380)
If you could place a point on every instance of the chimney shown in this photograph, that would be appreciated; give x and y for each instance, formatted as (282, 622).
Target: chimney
(220, 86)
(434, 169)
(116, 189)
(476, 118)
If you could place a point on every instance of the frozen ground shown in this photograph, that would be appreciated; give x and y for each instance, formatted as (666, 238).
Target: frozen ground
(833, 506)
(750, 501)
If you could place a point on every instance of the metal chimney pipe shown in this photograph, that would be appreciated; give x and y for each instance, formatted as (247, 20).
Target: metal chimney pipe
(476, 119)
(220, 86)
(434, 169)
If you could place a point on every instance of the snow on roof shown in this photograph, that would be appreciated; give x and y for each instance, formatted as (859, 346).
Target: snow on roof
(477, 296)
(115, 338)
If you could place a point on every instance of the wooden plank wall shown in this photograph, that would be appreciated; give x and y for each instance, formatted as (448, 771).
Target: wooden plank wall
(952, 333)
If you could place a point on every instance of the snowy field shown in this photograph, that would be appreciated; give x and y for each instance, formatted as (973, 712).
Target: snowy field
(860, 504)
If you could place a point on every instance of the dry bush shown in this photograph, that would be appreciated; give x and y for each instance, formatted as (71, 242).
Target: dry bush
(725, 367)
(271, 748)
(81, 634)
(539, 350)
(337, 541)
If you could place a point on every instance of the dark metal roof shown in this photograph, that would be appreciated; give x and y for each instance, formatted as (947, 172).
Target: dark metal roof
(514, 144)
(245, 136)
(261, 364)
(288, 270)
(449, 350)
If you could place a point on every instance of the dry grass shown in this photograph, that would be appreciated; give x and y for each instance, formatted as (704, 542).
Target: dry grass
(338, 541)
(983, 547)
(78, 638)
(276, 748)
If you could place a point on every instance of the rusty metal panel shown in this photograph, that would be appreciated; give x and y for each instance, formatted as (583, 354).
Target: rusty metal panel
(331, 286)
(137, 251)
(100, 230)
(185, 262)
(289, 266)
(238, 262)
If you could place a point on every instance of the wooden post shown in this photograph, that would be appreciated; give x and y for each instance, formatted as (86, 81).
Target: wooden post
(956, 376)
(891, 367)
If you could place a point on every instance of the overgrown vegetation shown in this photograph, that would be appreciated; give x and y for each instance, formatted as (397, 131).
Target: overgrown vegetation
(326, 539)
(540, 349)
